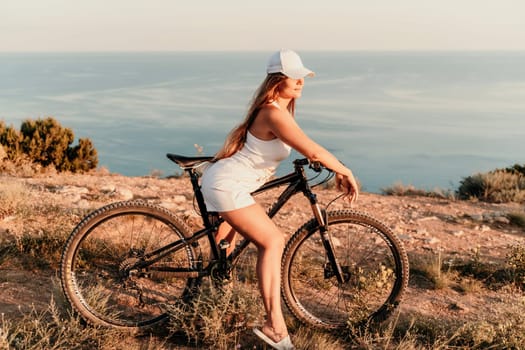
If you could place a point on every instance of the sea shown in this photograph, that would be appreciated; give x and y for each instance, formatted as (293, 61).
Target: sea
(427, 119)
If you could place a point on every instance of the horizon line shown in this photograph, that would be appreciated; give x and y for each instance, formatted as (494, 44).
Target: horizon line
(265, 51)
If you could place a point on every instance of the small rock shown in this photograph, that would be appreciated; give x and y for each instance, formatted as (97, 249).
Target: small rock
(458, 233)
(396, 228)
(169, 205)
(432, 240)
(484, 228)
(72, 190)
(7, 218)
(125, 194)
(82, 204)
(458, 307)
(488, 216)
(108, 188)
(502, 220)
(405, 237)
(428, 218)
(450, 218)
(476, 217)
(421, 232)
(74, 198)
(179, 199)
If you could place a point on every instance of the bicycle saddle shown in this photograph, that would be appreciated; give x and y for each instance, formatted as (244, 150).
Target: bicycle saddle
(188, 162)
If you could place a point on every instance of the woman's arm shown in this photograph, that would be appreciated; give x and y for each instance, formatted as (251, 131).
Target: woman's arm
(284, 126)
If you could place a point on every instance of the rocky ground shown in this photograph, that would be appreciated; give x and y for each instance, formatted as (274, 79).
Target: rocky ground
(433, 229)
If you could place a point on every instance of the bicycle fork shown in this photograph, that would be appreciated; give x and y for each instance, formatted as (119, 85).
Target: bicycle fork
(333, 267)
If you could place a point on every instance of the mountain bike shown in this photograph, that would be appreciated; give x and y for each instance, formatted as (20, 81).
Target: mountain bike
(125, 262)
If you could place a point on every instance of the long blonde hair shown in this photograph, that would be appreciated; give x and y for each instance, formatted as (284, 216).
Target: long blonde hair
(267, 92)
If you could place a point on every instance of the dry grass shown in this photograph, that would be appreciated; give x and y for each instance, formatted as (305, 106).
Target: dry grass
(505, 330)
(13, 196)
(217, 316)
(431, 267)
(56, 328)
(39, 228)
(399, 189)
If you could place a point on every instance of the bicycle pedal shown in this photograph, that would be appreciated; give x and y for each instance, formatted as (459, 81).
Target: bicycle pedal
(224, 244)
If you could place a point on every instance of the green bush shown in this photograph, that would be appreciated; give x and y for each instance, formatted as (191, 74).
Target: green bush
(46, 142)
(499, 186)
(517, 219)
(10, 138)
(516, 168)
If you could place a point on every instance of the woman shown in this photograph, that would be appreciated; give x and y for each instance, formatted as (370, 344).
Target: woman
(249, 157)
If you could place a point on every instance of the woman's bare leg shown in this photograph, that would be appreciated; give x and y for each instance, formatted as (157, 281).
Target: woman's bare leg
(226, 232)
(253, 223)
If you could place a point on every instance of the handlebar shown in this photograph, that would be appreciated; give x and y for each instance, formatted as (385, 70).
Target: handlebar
(315, 165)
(301, 162)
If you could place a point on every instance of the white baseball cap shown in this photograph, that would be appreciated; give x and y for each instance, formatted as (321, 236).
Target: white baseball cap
(289, 63)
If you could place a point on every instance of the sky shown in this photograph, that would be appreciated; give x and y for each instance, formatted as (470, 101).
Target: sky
(244, 25)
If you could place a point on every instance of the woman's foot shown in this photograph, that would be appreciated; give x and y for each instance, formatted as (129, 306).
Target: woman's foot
(273, 334)
(284, 343)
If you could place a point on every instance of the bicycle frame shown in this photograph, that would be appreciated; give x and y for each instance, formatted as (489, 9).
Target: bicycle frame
(297, 182)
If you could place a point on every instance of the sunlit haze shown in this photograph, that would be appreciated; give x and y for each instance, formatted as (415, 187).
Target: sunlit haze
(173, 25)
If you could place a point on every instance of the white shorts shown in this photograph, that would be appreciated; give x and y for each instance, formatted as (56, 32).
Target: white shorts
(226, 185)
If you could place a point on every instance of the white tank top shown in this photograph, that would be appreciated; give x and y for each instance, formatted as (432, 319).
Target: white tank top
(262, 155)
(257, 157)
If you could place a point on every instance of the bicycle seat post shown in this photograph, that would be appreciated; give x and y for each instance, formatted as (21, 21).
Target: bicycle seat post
(194, 178)
(190, 164)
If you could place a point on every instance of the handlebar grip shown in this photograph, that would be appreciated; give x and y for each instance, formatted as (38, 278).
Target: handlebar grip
(316, 166)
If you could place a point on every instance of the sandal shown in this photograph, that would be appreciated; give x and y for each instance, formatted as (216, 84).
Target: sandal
(283, 344)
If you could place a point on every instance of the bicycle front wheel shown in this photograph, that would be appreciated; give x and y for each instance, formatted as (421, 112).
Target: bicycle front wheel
(100, 272)
(374, 265)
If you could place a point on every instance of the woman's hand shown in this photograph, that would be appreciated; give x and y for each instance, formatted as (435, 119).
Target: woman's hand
(348, 185)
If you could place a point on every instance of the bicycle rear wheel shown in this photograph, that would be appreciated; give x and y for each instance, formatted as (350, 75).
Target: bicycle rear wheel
(374, 264)
(99, 272)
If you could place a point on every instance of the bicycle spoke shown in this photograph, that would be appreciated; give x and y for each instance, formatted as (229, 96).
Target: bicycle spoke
(99, 272)
(374, 269)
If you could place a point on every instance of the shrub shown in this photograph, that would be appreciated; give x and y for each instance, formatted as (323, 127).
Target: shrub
(82, 157)
(516, 262)
(399, 189)
(516, 168)
(10, 138)
(46, 142)
(517, 219)
(497, 186)
(216, 317)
